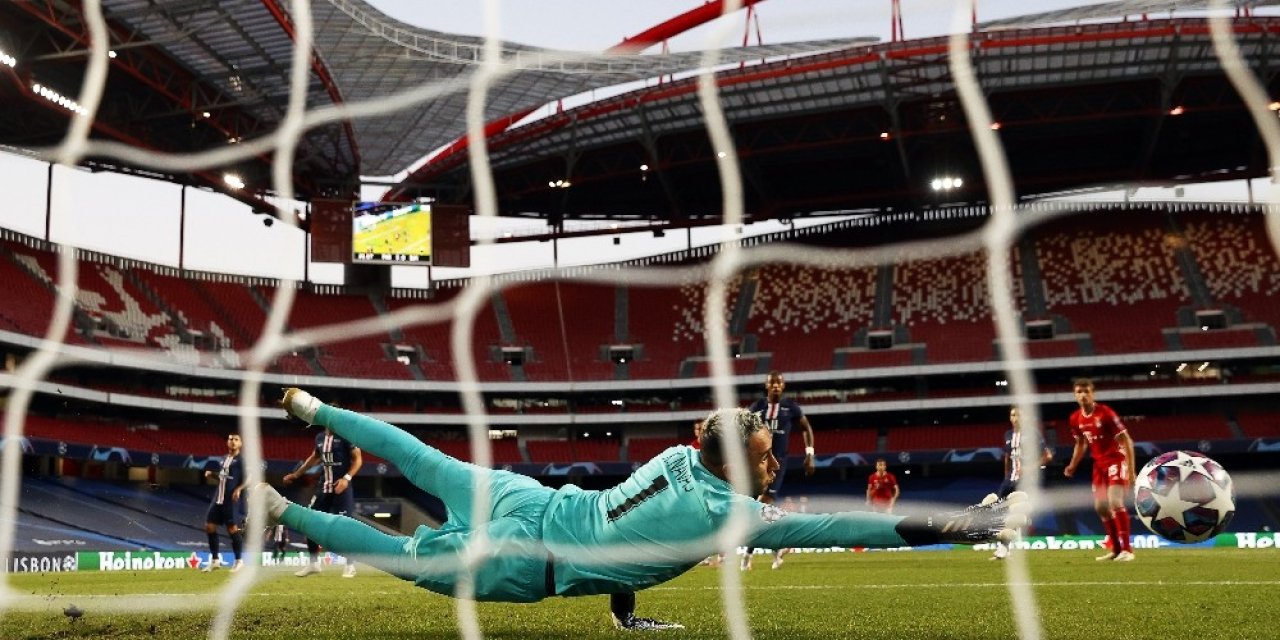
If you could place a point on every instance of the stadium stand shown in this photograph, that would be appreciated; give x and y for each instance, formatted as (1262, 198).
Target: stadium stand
(1218, 338)
(37, 534)
(967, 436)
(846, 440)
(569, 326)
(867, 359)
(607, 450)
(433, 340)
(655, 315)
(1118, 267)
(117, 519)
(825, 306)
(1238, 263)
(355, 358)
(32, 300)
(590, 321)
(1259, 425)
(505, 451)
(550, 451)
(644, 449)
(944, 304)
(1193, 427)
(835, 441)
(1126, 266)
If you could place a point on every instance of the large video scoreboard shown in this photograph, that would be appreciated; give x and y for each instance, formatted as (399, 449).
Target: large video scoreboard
(409, 233)
(391, 232)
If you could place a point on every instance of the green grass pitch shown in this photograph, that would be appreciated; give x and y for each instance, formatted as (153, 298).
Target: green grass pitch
(957, 595)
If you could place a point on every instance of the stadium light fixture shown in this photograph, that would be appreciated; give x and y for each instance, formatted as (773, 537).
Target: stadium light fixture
(996, 126)
(7, 59)
(232, 180)
(644, 167)
(721, 154)
(111, 54)
(58, 99)
(1181, 367)
(1177, 111)
(946, 183)
(1274, 106)
(884, 135)
(204, 114)
(1202, 367)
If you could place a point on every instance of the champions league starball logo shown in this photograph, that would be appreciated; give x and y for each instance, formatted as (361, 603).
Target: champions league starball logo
(771, 514)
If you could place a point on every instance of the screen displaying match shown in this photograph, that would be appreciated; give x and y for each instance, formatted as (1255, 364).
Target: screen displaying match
(383, 232)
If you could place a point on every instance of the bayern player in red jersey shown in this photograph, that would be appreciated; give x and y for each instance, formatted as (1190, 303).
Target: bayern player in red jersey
(882, 489)
(1097, 426)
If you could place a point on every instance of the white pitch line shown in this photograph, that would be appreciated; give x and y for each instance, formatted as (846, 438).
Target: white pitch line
(989, 585)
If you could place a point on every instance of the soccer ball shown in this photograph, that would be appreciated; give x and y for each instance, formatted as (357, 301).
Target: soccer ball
(1184, 496)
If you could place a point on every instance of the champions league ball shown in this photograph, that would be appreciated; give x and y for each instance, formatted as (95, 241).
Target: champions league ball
(1183, 496)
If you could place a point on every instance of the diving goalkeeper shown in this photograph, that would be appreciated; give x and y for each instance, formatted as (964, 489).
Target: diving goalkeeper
(654, 526)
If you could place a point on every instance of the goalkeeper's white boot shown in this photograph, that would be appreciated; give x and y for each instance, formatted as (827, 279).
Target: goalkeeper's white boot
(300, 404)
(636, 623)
(275, 503)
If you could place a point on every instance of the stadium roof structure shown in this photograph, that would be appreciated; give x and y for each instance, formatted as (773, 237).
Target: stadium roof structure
(188, 75)
(876, 126)
(1119, 9)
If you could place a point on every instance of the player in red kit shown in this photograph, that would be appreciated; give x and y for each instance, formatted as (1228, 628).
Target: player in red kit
(882, 489)
(1096, 426)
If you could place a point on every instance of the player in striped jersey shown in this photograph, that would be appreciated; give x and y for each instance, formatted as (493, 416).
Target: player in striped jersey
(1013, 468)
(224, 508)
(339, 462)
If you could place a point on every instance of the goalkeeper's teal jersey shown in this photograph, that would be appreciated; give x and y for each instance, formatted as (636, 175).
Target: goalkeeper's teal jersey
(663, 520)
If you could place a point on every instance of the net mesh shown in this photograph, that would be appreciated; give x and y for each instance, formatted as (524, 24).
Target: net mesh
(994, 242)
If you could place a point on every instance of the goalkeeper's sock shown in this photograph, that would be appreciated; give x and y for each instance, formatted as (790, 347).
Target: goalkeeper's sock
(622, 605)
(1121, 519)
